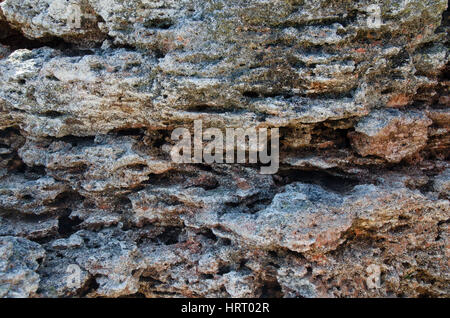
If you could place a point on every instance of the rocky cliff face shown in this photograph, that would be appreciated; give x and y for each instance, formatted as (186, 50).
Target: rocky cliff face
(91, 203)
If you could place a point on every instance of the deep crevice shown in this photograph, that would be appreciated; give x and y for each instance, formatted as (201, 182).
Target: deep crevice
(328, 181)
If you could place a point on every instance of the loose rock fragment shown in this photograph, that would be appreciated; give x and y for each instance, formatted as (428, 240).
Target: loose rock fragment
(391, 134)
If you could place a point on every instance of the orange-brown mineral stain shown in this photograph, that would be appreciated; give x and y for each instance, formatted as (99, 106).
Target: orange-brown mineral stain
(399, 100)
(242, 184)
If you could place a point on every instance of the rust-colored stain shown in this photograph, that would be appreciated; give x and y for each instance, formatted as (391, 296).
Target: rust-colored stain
(399, 100)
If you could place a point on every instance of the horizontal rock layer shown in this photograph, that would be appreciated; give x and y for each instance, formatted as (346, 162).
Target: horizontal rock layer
(92, 205)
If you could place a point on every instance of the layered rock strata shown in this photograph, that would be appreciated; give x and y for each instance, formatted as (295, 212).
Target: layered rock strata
(92, 205)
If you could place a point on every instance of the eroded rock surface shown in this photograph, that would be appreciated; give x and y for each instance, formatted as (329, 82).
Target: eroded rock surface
(92, 205)
(391, 134)
(19, 261)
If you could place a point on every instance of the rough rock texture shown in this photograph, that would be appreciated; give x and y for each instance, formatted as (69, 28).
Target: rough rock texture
(391, 134)
(19, 261)
(92, 205)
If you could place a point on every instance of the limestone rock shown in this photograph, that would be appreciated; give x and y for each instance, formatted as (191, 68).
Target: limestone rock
(302, 218)
(19, 261)
(391, 134)
(442, 183)
(30, 228)
(30, 196)
(54, 18)
(92, 205)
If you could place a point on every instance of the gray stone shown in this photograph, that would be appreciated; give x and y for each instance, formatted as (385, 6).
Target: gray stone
(19, 260)
(391, 134)
(90, 91)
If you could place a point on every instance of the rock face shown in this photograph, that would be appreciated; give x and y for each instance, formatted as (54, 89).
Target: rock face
(391, 134)
(92, 205)
(19, 261)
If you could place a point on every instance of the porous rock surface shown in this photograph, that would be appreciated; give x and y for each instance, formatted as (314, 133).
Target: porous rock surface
(358, 208)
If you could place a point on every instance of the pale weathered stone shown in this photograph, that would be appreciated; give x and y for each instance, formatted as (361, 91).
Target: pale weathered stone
(90, 91)
(19, 260)
(391, 134)
(54, 18)
(442, 183)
